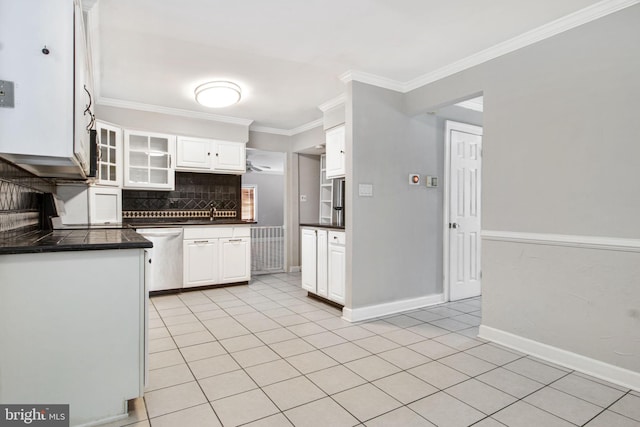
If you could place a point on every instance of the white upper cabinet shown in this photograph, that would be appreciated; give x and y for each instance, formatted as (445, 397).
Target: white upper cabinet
(210, 155)
(44, 64)
(109, 141)
(335, 162)
(148, 160)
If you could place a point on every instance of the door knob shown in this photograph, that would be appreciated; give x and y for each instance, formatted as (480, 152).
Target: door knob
(453, 225)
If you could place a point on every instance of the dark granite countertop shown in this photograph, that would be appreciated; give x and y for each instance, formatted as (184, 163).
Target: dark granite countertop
(73, 240)
(317, 225)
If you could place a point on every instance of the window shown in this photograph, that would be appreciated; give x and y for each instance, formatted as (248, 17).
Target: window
(250, 202)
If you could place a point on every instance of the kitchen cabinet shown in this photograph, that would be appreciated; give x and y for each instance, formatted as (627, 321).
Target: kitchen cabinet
(336, 266)
(148, 160)
(105, 205)
(335, 152)
(216, 255)
(85, 204)
(326, 193)
(44, 62)
(200, 262)
(78, 330)
(209, 155)
(109, 162)
(235, 259)
(322, 256)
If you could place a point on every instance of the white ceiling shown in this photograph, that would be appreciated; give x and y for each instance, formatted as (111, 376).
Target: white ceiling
(288, 55)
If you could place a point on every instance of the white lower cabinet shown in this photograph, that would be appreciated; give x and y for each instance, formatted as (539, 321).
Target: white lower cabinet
(337, 266)
(323, 263)
(215, 255)
(200, 262)
(235, 259)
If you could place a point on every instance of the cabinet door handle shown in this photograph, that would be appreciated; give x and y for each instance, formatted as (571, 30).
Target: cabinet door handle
(197, 242)
(235, 240)
(169, 161)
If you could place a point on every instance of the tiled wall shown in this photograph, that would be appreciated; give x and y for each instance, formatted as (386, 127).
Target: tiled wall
(19, 197)
(192, 191)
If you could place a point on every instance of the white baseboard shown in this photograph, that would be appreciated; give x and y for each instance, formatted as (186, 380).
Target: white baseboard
(372, 311)
(294, 269)
(593, 367)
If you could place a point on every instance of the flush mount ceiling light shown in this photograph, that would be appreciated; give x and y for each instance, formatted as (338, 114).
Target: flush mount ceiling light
(218, 94)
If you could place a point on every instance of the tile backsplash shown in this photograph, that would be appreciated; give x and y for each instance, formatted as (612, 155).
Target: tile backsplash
(20, 197)
(193, 191)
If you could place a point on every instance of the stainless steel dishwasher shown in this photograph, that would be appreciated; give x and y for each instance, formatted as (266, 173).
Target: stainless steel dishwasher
(165, 268)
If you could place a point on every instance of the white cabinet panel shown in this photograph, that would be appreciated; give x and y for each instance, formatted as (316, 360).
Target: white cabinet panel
(105, 205)
(109, 170)
(337, 266)
(193, 153)
(321, 265)
(200, 262)
(235, 260)
(229, 156)
(308, 261)
(335, 144)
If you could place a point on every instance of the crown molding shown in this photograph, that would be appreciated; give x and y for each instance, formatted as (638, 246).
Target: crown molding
(332, 103)
(288, 132)
(472, 104)
(560, 25)
(372, 79)
(131, 105)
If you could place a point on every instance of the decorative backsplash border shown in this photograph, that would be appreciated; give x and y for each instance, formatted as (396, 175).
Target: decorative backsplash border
(177, 214)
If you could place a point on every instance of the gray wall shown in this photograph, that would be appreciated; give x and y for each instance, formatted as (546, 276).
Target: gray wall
(561, 152)
(309, 185)
(270, 190)
(392, 237)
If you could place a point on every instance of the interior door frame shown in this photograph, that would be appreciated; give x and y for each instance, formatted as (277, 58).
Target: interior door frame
(446, 289)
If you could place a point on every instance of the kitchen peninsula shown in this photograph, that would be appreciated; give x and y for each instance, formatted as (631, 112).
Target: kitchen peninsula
(72, 320)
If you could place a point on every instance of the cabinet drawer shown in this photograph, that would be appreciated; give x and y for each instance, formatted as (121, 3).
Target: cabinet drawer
(337, 238)
(194, 233)
(241, 231)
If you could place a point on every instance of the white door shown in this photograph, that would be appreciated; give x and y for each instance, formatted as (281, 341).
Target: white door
(193, 153)
(200, 262)
(230, 156)
(335, 145)
(308, 246)
(464, 143)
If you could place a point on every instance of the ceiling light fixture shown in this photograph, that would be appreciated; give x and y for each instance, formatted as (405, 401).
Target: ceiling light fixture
(218, 94)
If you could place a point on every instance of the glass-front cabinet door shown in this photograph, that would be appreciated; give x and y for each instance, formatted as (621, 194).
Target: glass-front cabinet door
(148, 160)
(109, 171)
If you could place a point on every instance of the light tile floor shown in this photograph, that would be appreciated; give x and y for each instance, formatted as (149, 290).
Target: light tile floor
(267, 355)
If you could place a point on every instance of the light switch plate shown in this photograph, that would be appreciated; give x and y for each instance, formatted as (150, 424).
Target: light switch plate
(303, 197)
(7, 94)
(365, 190)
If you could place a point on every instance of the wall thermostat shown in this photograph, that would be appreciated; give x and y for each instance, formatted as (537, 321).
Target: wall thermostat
(415, 179)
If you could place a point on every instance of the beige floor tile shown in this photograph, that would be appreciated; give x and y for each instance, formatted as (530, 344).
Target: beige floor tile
(171, 399)
(467, 364)
(198, 416)
(161, 344)
(185, 328)
(324, 339)
(366, 402)
(493, 354)
(228, 384)
(404, 358)
(213, 366)
(202, 351)
(271, 372)
(311, 362)
(346, 352)
(380, 326)
(457, 341)
(428, 330)
(438, 375)
(488, 422)
(163, 359)
(371, 368)
(521, 414)
(255, 356)
(293, 392)
(403, 321)
(292, 347)
(433, 349)
(353, 333)
(404, 337)
(405, 387)
(376, 344)
(446, 411)
(535, 370)
(293, 319)
(243, 408)
(277, 420)
(242, 342)
(612, 419)
(157, 333)
(321, 413)
(276, 335)
(304, 329)
(336, 379)
(629, 406)
(593, 392)
(481, 396)
(169, 376)
(563, 405)
(510, 382)
(193, 338)
(179, 320)
(404, 417)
